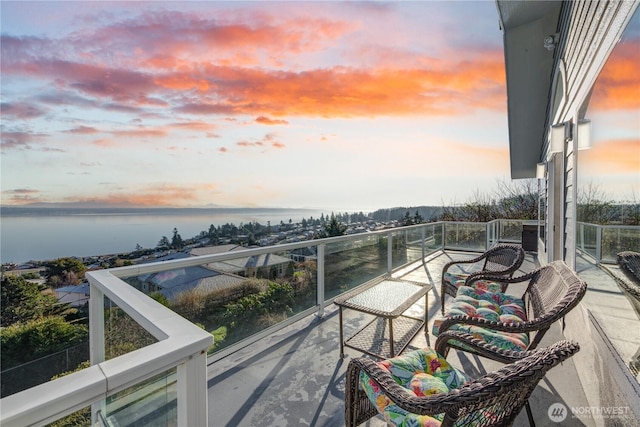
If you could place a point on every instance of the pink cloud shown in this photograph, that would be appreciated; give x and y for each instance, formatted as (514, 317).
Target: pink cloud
(20, 110)
(83, 130)
(24, 140)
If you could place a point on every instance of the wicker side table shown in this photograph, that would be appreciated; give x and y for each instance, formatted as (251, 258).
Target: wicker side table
(391, 330)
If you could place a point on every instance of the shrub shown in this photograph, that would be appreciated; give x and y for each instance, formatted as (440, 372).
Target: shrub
(22, 342)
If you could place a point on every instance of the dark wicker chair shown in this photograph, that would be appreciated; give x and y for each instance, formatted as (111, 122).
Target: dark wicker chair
(552, 292)
(629, 263)
(494, 399)
(501, 260)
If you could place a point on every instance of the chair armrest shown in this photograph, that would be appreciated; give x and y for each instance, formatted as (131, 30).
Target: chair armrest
(502, 280)
(464, 261)
(445, 340)
(519, 327)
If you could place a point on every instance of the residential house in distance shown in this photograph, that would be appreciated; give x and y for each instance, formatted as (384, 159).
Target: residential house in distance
(74, 295)
(260, 266)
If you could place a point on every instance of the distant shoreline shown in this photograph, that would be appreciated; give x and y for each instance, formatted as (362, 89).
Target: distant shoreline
(6, 211)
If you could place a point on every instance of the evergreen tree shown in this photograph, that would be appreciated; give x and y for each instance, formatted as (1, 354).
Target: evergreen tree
(164, 243)
(176, 241)
(417, 218)
(22, 300)
(334, 227)
(407, 220)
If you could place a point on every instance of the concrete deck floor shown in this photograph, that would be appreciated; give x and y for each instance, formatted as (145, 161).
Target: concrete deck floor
(296, 377)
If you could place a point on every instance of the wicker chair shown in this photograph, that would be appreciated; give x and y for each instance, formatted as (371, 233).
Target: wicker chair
(500, 260)
(494, 399)
(629, 263)
(552, 292)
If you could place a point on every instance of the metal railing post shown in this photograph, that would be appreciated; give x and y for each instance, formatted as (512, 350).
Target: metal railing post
(96, 340)
(389, 253)
(598, 244)
(320, 281)
(488, 229)
(192, 391)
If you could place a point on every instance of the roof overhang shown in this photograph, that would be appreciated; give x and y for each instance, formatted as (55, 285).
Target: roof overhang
(529, 72)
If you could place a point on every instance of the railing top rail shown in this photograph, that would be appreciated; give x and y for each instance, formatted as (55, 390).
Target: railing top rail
(620, 226)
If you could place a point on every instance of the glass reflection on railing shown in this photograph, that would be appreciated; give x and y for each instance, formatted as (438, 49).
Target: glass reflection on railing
(150, 403)
(511, 230)
(465, 236)
(122, 334)
(587, 238)
(236, 298)
(617, 239)
(349, 263)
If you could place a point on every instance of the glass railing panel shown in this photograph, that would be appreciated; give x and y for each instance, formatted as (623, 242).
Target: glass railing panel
(122, 334)
(76, 419)
(618, 239)
(587, 238)
(149, 403)
(402, 244)
(511, 230)
(414, 240)
(349, 263)
(236, 298)
(492, 232)
(21, 377)
(433, 238)
(466, 236)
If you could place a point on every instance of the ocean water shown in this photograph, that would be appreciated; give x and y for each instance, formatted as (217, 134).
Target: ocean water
(50, 234)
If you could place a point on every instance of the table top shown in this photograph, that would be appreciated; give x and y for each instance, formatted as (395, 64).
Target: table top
(388, 297)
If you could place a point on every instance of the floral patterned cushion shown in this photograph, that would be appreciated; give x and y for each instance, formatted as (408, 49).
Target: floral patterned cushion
(422, 372)
(458, 279)
(492, 306)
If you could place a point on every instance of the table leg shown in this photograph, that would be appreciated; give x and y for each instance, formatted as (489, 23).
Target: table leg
(341, 334)
(391, 349)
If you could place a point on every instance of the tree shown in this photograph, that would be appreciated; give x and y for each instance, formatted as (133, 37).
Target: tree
(407, 219)
(64, 271)
(22, 301)
(594, 206)
(417, 218)
(164, 243)
(334, 228)
(511, 200)
(176, 241)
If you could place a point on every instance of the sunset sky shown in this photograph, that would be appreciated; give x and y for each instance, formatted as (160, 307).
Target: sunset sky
(346, 106)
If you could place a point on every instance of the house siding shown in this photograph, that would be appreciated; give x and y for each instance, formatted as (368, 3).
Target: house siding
(588, 32)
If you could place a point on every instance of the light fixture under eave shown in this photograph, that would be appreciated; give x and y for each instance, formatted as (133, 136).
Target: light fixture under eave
(540, 170)
(584, 134)
(557, 139)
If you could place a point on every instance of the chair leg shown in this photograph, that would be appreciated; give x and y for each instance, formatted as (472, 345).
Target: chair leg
(529, 414)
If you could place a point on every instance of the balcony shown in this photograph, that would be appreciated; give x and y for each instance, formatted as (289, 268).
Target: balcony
(285, 369)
